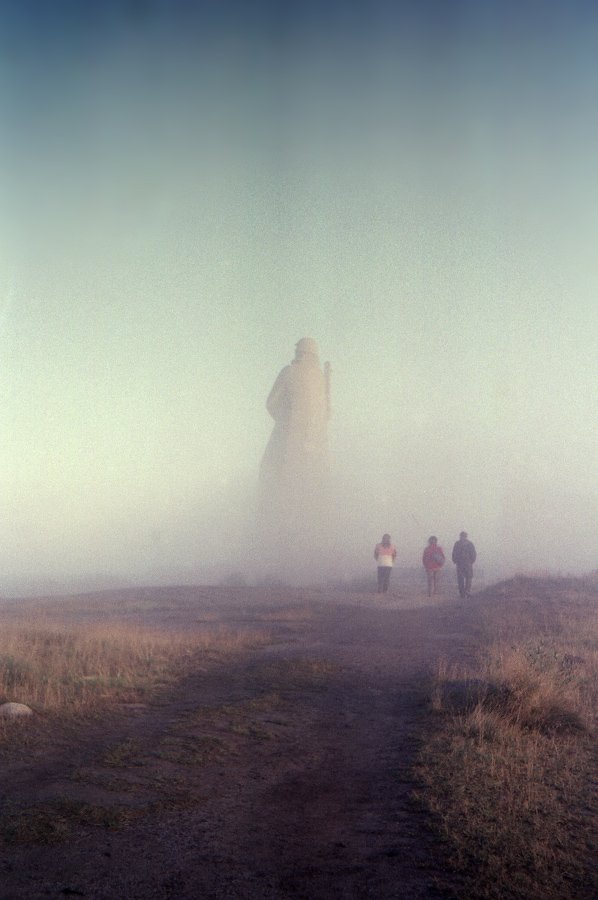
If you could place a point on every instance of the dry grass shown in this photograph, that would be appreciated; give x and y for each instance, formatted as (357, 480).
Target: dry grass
(56, 821)
(56, 664)
(507, 770)
(296, 613)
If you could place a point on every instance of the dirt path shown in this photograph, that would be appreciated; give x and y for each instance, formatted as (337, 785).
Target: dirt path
(281, 774)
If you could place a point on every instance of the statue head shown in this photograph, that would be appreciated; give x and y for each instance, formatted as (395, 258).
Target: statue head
(306, 346)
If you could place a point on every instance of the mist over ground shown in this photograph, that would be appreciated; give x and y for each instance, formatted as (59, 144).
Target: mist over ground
(215, 541)
(188, 190)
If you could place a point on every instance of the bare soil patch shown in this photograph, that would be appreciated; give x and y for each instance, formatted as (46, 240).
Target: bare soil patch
(282, 770)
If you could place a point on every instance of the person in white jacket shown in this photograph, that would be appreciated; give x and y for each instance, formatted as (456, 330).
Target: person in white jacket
(385, 555)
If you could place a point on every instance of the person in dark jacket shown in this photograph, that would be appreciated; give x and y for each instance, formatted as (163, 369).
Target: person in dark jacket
(464, 556)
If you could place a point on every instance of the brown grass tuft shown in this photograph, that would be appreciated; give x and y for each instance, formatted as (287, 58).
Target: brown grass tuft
(507, 768)
(58, 665)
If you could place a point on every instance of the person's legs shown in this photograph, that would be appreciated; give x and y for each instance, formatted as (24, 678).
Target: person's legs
(468, 580)
(434, 581)
(461, 581)
(386, 578)
(430, 580)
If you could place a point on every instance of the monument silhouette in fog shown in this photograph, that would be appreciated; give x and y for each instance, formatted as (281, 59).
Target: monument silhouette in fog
(294, 473)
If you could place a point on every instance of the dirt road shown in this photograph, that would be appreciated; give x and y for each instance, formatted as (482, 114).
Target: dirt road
(283, 772)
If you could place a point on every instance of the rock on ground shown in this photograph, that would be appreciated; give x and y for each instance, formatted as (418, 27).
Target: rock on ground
(14, 710)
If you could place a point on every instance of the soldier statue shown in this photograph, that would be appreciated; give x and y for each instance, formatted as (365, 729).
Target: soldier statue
(294, 471)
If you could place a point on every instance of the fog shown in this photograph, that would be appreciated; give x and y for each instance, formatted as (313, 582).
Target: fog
(187, 192)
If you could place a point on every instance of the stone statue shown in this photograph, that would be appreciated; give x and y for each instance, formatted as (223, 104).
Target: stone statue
(294, 470)
(299, 403)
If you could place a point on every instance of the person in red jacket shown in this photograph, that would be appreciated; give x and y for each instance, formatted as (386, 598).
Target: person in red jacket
(385, 555)
(433, 561)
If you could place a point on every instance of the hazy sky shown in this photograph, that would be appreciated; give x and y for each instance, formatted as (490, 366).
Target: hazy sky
(188, 188)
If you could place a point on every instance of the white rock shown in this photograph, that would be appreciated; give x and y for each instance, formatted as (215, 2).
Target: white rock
(13, 710)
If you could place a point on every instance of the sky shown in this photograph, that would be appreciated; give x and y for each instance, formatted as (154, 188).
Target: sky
(188, 188)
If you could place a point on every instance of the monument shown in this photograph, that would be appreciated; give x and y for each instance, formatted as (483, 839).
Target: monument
(294, 473)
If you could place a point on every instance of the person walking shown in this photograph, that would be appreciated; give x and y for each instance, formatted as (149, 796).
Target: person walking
(385, 555)
(464, 556)
(433, 561)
